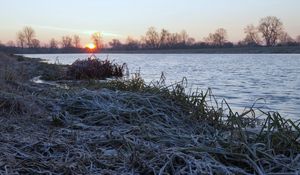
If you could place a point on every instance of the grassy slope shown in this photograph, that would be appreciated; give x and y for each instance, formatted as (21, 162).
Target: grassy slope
(125, 127)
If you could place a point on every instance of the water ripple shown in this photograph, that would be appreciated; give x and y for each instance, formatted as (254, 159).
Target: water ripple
(240, 79)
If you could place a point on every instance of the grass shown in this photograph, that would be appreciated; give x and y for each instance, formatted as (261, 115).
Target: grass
(130, 127)
(94, 68)
(242, 143)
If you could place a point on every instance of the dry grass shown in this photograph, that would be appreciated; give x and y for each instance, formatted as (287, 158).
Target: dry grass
(94, 68)
(129, 127)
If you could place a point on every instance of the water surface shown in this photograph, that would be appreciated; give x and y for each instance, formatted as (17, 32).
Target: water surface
(239, 78)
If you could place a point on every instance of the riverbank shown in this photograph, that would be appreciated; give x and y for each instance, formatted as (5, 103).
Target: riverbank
(230, 50)
(225, 50)
(121, 127)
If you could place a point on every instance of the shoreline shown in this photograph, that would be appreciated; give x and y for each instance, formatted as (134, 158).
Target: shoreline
(233, 50)
(120, 127)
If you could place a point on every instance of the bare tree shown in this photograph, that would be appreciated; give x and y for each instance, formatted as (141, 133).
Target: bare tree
(190, 41)
(210, 39)
(97, 40)
(25, 37)
(29, 35)
(183, 37)
(35, 43)
(298, 39)
(53, 44)
(66, 42)
(10, 44)
(271, 27)
(284, 38)
(152, 38)
(174, 39)
(115, 44)
(1, 44)
(164, 35)
(252, 36)
(132, 43)
(219, 38)
(76, 41)
(21, 39)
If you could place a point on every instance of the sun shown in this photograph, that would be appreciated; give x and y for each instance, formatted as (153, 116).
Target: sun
(90, 46)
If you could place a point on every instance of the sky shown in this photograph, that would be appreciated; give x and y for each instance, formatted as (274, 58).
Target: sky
(122, 18)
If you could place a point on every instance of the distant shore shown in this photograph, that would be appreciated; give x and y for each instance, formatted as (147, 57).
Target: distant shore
(233, 50)
(225, 50)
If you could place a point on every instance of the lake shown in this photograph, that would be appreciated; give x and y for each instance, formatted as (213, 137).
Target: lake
(241, 79)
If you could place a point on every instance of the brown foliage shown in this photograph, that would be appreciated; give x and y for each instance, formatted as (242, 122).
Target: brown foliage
(94, 69)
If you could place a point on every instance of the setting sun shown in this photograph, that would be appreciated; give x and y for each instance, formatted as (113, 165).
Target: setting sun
(90, 46)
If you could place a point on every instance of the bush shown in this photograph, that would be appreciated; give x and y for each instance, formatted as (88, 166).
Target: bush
(94, 68)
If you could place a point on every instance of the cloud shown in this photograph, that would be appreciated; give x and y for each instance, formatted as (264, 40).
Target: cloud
(86, 32)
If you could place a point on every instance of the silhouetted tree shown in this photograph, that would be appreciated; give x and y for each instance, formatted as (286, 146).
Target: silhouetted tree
(66, 42)
(271, 28)
(183, 37)
(298, 39)
(132, 44)
(190, 41)
(97, 40)
(29, 35)
(35, 43)
(25, 37)
(164, 36)
(152, 38)
(285, 39)
(218, 38)
(174, 40)
(21, 39)
(1, 46)
(53, 44)
(228, 44)
(10, 44)
(76, 41)
(252, 36)
(115, 44)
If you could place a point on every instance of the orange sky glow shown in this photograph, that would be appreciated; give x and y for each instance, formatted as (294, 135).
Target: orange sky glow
(122, 18)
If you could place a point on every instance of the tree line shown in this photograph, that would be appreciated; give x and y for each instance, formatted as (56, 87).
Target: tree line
(269, 32)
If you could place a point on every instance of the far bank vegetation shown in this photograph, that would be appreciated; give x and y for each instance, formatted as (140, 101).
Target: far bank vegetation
(269, 32)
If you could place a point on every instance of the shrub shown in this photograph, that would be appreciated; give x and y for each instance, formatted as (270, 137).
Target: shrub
(94, 68)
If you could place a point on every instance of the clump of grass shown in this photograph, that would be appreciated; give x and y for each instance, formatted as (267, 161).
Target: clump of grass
(9, 74)
(52, 72)
(243, 142)
(12, 104)
(21, 58)
(94, 68)
(280, 134)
